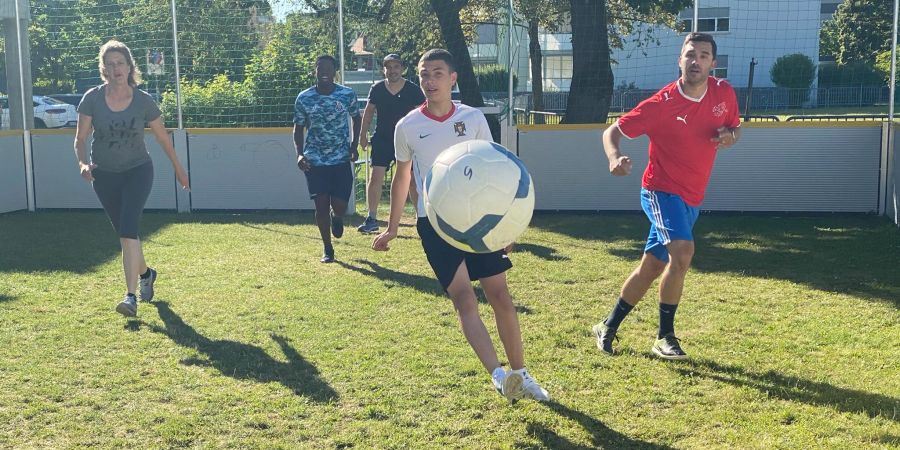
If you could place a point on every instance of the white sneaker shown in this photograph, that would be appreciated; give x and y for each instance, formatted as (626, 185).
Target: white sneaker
(497, 378)
(147, 286)
(128, 306)
(518, 386)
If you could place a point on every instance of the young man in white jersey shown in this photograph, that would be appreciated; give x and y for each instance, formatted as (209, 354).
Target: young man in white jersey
(418, 140)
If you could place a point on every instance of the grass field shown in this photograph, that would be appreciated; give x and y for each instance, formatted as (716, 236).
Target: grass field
(793, 326)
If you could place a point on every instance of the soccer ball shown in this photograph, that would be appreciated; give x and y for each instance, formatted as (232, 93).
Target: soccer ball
(478, 196)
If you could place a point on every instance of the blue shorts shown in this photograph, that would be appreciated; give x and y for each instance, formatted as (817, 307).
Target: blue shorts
(671, 219)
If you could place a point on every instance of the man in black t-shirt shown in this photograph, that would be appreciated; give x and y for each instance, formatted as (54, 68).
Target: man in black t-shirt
(391, 99)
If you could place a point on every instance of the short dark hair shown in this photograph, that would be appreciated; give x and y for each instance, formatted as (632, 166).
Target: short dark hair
(700, 37)
(327, 58)
(439, 54)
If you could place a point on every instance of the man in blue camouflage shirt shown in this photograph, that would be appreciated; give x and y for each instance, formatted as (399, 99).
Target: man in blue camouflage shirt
(327, 154)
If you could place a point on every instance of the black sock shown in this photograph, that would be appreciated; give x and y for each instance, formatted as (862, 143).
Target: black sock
(146, 274)
(666, 319)
(617, 315)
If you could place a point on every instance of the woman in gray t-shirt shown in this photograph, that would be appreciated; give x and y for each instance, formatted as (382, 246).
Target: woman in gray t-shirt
(119, 168)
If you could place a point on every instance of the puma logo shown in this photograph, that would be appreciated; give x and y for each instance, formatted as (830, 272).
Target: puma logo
(666, 95)
(683, 119)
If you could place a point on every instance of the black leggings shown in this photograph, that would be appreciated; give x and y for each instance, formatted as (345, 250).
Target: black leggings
(123, 195)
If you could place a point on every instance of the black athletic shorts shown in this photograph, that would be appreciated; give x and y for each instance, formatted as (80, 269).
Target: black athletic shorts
(445, 258)
(123, 195)
(336, 181)
(382, 153)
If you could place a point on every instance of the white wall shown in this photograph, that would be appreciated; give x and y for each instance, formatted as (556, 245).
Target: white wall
(781, 168)
(58, 184)
(12, 172)
(245, 169)
(778, 167)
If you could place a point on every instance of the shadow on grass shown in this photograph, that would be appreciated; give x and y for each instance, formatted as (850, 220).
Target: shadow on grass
(856, 255)
(244, 361)
(795, 388)
(541, 251)
(422, 284)
(391, 278)
(32, 240)
(6, 298)
(602, 436)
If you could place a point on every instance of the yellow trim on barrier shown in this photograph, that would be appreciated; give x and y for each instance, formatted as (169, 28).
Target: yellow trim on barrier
(561, 127)
(11, 133)
(51, 131)
(239, 130)
(815, 124)
(791, 124)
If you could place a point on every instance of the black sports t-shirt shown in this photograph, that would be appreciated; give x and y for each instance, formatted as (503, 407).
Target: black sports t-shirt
(392, 108)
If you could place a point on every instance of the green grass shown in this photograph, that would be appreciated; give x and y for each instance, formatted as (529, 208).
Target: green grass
(793, 325)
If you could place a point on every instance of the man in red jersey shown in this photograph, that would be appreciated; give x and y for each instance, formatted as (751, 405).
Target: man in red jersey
(687, 122)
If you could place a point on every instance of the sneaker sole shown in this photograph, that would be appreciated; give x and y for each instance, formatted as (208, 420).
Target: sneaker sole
(668, 357)
(124, 310)
(513, 387)
(600, 342)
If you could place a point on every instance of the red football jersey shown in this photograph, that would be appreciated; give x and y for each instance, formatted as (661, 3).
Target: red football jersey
(680, 129)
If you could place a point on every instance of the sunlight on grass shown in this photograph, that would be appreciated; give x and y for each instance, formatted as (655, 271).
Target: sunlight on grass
(793, 326)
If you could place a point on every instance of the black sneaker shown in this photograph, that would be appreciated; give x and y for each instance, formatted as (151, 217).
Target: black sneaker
(328, 256)
(337, 226)
(605, 336)
(669, 348)
(369, 226)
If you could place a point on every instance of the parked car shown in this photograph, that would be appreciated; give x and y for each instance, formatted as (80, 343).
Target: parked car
(72, 99)
(48, 113)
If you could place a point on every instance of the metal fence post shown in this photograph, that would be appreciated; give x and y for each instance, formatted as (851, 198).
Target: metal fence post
(26, 120)
(177, 67)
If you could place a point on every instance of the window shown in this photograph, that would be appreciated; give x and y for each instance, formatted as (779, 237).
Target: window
(487, 33)
(709, 20)
(721, 70)
(557, 72)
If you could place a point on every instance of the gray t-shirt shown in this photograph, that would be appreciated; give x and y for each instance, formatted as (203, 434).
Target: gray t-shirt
(118, 139)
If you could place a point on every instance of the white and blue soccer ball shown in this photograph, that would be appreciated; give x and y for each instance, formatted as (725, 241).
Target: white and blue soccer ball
(479, 196)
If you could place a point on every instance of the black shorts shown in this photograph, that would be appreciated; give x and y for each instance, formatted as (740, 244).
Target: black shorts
(445, 258)
(336, 181)
(123, 195)
(382, 153)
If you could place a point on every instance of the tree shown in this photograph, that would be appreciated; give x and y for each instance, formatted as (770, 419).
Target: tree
(540, 14)
(447, 12)
(858, 31)
(594, 31)
(883, 65)
(797, 72)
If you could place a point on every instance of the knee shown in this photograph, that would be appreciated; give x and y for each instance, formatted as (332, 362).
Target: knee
(681, 260)
(652, 267)
(465, 305)
(502, 304)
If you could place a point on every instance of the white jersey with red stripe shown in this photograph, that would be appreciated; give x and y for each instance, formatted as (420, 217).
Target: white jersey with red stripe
(421, 136)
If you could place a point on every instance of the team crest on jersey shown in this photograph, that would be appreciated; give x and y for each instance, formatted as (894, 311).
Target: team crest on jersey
(459, 128)
(339, 107)
(720, 109)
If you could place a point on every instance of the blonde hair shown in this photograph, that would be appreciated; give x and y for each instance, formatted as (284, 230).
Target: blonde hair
(134, 77)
